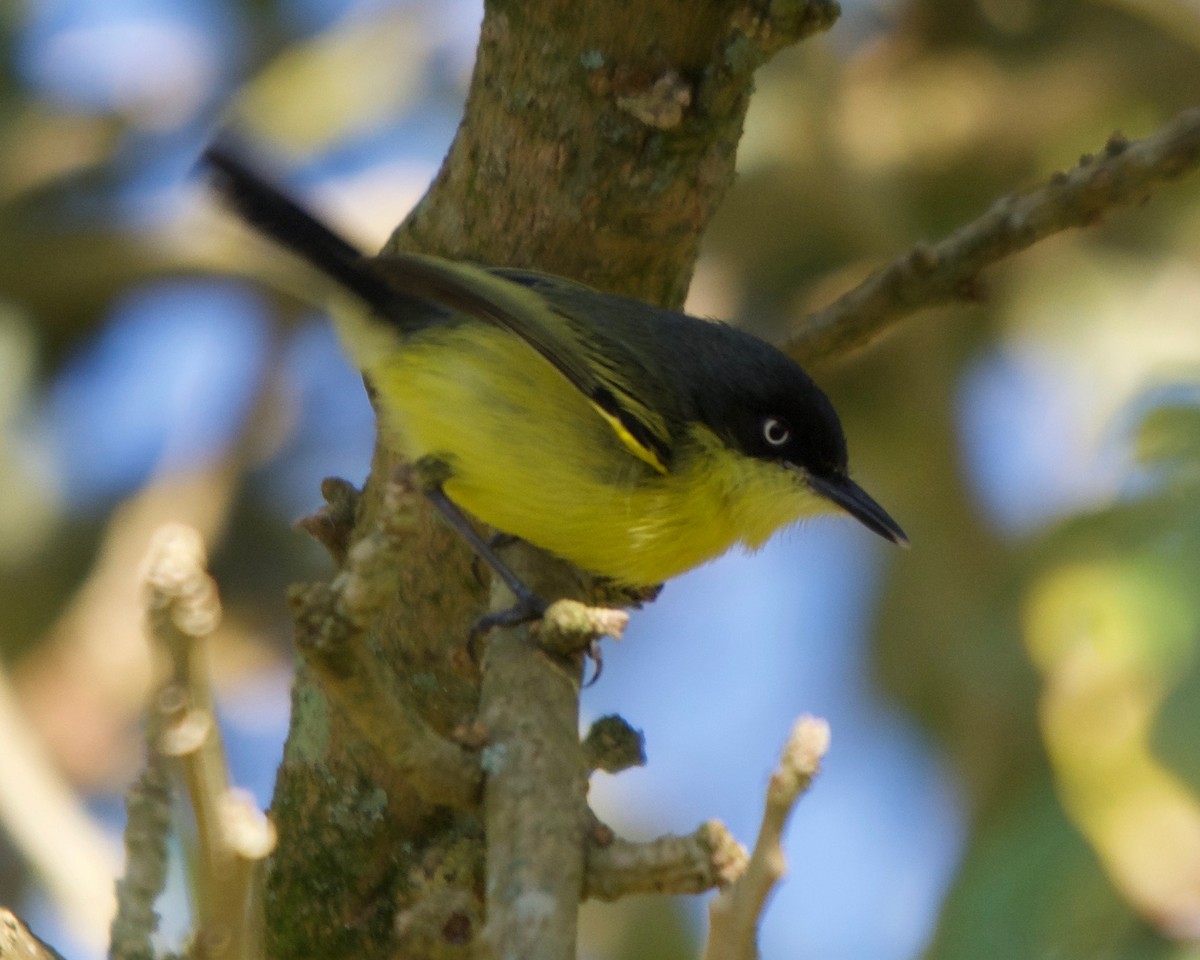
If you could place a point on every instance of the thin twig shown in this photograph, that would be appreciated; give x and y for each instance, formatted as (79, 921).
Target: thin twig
(612, 745)
(569, 626)
(735, 914)
(708, 858)
(233, 837)
(17, 942)
(51, 829)
(148, 804)
(1124, 172)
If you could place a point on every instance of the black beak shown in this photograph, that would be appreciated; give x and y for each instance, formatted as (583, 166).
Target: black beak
(858, 503)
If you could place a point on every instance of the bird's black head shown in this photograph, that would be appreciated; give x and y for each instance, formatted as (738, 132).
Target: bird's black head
(770, 409)
(785, 417)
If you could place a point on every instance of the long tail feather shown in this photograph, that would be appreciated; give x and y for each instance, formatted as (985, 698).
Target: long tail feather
(269, 210)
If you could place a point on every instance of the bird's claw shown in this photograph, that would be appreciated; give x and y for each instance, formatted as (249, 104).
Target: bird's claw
(529, 607)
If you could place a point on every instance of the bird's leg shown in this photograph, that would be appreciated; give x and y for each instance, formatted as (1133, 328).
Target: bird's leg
(529, 606)
(497, 542)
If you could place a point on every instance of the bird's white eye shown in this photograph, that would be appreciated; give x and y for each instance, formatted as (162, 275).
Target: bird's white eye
(776, 431)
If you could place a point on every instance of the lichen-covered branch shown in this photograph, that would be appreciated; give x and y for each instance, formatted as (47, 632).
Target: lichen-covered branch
(331, 634)
(147, 826)
(735, 914)
(1124, 172)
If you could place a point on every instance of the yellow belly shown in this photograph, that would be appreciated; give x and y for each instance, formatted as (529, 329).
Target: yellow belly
(529, 455)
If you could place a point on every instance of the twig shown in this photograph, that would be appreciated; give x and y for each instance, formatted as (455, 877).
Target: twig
(50, 828)
(735, 914)
(771, 27)
(18, 943)
(569, 626)
(233, 837)
(708, 858)
(148, 823)
(612, 745)
(1124, 173)
(536, 818)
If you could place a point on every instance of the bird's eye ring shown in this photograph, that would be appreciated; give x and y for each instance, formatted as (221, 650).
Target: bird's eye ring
(776, 431)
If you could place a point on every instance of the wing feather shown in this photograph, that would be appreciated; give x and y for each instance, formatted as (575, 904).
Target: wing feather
(389, 284)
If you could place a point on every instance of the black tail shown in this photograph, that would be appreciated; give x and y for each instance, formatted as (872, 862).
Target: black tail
(270, 211)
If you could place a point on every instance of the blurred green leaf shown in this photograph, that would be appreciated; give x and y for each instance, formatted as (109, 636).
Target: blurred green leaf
(1031, 887)
(1170, 435)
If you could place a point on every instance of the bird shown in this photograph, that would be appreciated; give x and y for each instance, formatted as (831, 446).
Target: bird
(633, 441)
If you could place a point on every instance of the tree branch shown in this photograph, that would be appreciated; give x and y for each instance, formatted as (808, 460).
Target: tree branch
(535, 810)
(1124, 172)
(233, 837)
(331, 633)
(734, 916)
(18, 943)
(709, 857)
(147, 825)
(49, 826)
(612, 745)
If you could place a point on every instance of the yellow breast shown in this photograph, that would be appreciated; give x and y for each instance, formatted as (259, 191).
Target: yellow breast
(529, 455)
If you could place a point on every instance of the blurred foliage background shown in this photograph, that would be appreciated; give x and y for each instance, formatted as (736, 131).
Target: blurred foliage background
(1015, 701)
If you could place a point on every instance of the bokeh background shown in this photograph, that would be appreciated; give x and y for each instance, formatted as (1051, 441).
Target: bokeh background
(1015, 701)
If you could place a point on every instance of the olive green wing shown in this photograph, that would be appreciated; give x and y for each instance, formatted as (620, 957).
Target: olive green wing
(526, 305)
